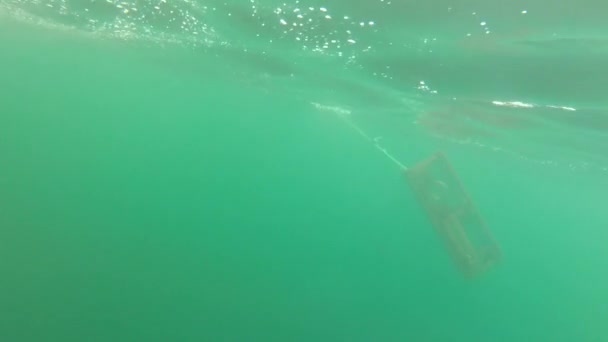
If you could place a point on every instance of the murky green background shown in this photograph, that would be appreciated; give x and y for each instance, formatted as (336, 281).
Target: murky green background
(181, 171)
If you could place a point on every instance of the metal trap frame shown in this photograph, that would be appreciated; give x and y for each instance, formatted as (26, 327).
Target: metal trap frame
(453, 214)
(448, 206)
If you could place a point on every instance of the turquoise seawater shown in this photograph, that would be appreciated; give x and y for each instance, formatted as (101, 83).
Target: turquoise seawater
(201, 170)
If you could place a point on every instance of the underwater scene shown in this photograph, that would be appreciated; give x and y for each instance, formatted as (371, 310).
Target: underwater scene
(306, 170)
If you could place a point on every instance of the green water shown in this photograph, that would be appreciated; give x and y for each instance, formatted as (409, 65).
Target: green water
(158, 184)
